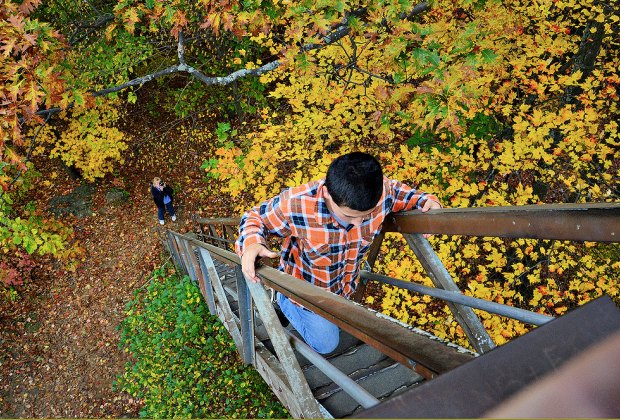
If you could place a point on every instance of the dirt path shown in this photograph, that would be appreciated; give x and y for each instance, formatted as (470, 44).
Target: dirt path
(61, 355)
(59, 350)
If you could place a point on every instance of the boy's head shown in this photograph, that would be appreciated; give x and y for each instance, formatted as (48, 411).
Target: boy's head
(355, 180)
(157, 182)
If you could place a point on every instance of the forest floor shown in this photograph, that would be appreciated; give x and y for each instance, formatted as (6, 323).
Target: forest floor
(59, 353)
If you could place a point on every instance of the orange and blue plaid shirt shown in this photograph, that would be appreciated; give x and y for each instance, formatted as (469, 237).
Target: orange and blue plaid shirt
(316, 247)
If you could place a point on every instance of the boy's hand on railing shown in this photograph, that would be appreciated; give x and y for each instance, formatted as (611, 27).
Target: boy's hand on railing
(430, 204)
(248, 260)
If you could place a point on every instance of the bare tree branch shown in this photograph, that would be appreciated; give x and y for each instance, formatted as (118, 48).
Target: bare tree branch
(337, 33)
(181, 49)
(140, 80)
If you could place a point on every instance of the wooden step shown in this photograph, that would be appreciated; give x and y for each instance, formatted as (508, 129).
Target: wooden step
(383, 380)
(374, 371)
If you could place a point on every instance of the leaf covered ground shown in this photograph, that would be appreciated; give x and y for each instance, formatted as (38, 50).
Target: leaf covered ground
(59, 350)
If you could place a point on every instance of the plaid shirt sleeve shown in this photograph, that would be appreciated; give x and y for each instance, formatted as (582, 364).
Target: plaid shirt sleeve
(407, 198)
(268, 217)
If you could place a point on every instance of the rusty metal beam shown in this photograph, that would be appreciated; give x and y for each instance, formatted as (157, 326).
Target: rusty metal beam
(398, 341)
(477, 335)
(476, 387)
(597, 222)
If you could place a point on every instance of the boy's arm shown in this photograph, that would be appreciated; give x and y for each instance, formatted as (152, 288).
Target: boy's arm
(407, 198)
(255, 224)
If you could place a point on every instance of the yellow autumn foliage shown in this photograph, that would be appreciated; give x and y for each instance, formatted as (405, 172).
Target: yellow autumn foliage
(493, 128)
(88, 139)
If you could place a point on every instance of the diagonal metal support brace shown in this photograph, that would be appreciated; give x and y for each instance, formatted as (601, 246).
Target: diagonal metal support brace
(466, 317)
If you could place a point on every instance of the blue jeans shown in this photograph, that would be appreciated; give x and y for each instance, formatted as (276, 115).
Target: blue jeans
(319, 333)
(161, 211)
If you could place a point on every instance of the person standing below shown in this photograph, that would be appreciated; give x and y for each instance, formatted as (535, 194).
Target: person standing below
(163, 196)
(327, 226)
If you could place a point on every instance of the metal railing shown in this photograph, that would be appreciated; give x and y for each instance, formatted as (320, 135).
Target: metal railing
(576, 222)
(597, 222)
(422, 354)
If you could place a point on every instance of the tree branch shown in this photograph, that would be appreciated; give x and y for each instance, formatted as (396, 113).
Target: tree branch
(140, 80)
(585, 58)
(225, 80)
(99, 22)
(181, 49)
(337, 33)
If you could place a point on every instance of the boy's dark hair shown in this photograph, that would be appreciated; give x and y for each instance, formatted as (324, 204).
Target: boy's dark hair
(355, 180)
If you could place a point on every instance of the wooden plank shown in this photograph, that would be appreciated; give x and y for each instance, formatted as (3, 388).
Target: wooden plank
(187, 255)
(215, 238)
(280, 341)
(232, 233)
(174, 248)
(223, 307)
(272, 372)
(246, 317)
(201, 277)
(202, 234)
(205, 262)
(230, 221)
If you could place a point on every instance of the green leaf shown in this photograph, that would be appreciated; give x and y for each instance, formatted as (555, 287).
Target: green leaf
(79, 98)
(398, 77)
(488, 56)
(210, 164)
(222, 131)
(340, 5)
(29, 245)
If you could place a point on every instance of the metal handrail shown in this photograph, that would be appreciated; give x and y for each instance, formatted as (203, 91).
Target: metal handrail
(428, 357)
(403, 345)
(522, 315)
(599, 222)
(596, 222)
(359, 394)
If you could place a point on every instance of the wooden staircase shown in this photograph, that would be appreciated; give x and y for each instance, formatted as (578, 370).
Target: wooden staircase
(380, 375)
(382, 367)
